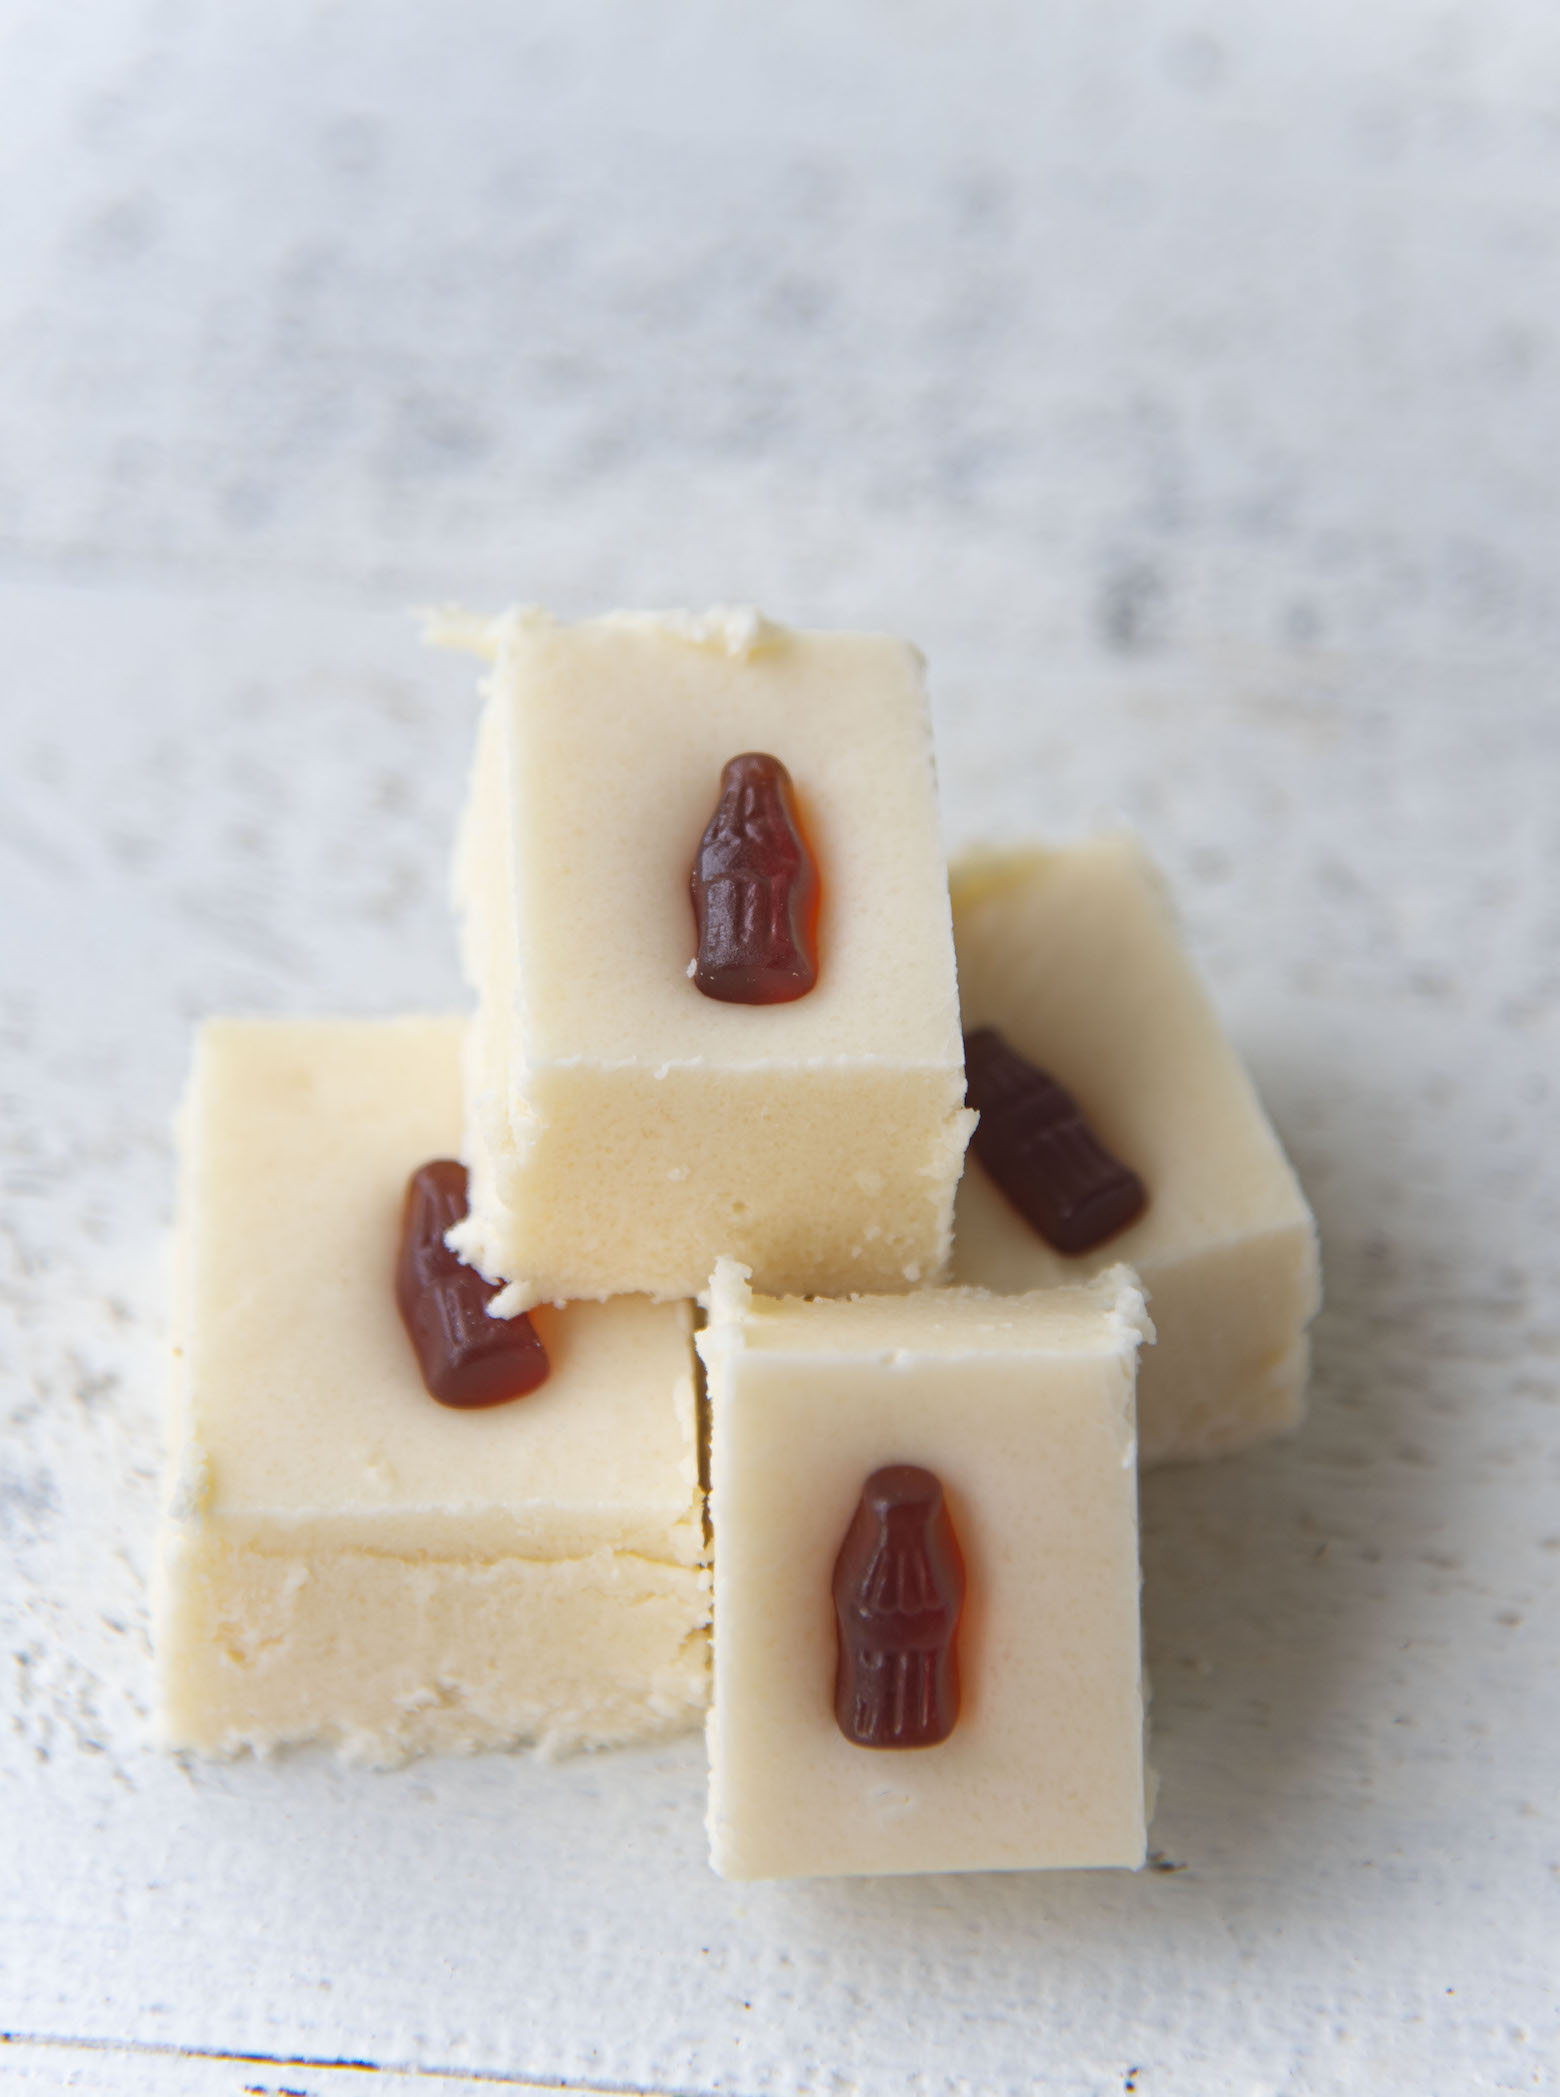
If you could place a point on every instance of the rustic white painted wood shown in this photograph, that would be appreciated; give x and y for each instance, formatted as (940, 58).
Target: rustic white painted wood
(1185, 380)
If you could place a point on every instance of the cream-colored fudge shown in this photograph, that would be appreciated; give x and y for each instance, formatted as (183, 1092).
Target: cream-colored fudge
(624, 1130)
(1075, 956)
(1023, 1407)
(344, 1560)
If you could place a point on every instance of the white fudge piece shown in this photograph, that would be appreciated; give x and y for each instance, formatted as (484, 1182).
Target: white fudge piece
(623, 1130)
(345, 1560)
(1075, 956)
(1023, 1407)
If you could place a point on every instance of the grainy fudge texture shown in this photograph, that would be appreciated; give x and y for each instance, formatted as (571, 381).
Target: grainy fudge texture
(344, 1559)
(1023, 1408)
(1075, 956)
(623, 1130)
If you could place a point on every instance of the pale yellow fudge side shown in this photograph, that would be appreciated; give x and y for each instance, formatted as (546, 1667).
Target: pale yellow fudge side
(343, 1559)
(623, 1130)
(1075, 955)
(1024, 1409)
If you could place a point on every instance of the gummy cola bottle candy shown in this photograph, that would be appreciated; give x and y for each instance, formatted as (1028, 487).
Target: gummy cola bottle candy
(898, 1595)
(467, 1359)
(755, 890)
(1034, 1142)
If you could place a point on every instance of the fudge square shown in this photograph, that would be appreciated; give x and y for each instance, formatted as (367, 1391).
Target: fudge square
(345, 1560)
(1022, 1407)
(1075, 957)
(624, 1130)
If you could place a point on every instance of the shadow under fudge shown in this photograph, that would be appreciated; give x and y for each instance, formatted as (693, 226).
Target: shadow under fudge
(1272, 1581)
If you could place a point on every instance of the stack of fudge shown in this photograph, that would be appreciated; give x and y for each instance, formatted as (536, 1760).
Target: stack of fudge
(838, 1434)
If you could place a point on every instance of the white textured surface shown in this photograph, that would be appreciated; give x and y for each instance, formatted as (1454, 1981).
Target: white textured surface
(1186, 384)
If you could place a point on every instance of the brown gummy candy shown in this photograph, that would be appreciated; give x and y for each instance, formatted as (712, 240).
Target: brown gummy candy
(467, 1358)
(755, 890)
(898, 1594)
(1036, 1145)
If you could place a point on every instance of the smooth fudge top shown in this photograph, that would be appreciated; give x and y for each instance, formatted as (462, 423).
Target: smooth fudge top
(599, 764)
(1075, 955)
(1013, 1418)
(297, 1392)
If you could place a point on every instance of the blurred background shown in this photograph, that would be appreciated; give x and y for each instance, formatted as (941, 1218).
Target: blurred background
(1182, 376)
(1150, 325)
